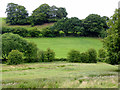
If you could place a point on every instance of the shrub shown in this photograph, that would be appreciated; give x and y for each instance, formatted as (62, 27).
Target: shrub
(15, 42)
(42, 56)
(50, 55)
(84, 57)
(24, 32)
(31, 52)
(61, 33)
(73, 56)
(92, 55)
(47, 32)
(15, 57)
(12, 42)
(101, 55)
(34, 32)
(46, 56)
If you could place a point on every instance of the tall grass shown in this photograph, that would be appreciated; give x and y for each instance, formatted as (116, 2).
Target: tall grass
(60, 75)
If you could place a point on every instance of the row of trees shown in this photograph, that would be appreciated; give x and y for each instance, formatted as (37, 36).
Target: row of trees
(93, 25)
(18, 15)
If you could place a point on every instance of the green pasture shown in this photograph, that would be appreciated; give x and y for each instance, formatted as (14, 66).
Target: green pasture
(62, 46)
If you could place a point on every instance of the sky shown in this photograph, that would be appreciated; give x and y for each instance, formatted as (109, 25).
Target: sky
(75, 8)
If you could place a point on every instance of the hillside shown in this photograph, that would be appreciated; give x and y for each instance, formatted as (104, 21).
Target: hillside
(39, 27)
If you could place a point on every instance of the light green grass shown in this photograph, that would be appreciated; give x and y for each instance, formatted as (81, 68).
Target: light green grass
(62, 46)
(60, 75)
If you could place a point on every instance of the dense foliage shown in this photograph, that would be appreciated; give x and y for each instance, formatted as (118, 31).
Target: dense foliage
(94, 24)
(15, 57)
(92, 55)
(102, 55)
(112, 41)
(85, 57)
(24, 32)
(16, 14)
(46, 56)
(15, 42)
(73, 56)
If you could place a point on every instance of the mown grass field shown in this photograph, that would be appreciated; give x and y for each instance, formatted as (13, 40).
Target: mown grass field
(60, 75)
(62, 46)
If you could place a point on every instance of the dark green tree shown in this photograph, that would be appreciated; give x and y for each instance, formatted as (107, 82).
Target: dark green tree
(16, 14)
(70, 26)
(61, 12)
(40, 15)
(94, 24)
(15, 42)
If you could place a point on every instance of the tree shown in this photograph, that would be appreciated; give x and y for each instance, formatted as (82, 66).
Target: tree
(94, 24)
(70, 26)
(40, 15)
(112, 41)
(15, 42)
(61, 12)
(16, 14)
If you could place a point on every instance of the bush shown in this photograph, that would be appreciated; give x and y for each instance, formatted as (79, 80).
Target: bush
(50, 55)
(84, 57)
(47, 32)
(101, 55)
(15, 57)
(92, 55)
(31, 52)
(73, 56)
(15, 42)
(61, 33)
(24, 32)
(42, 56)
(46, 56)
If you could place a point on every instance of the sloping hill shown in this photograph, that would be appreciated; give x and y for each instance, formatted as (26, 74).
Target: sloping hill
(39, 27)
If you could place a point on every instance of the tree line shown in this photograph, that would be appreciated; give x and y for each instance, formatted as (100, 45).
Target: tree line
(18, 15)
(92, 26)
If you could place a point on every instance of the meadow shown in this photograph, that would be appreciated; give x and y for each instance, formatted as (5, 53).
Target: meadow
(60, 75)
(62, 45)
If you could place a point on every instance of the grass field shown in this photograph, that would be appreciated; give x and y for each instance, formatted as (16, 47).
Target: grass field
(60, 75)
(62, 46)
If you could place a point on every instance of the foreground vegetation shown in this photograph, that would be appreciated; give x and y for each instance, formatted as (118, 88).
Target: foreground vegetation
(60, 75)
